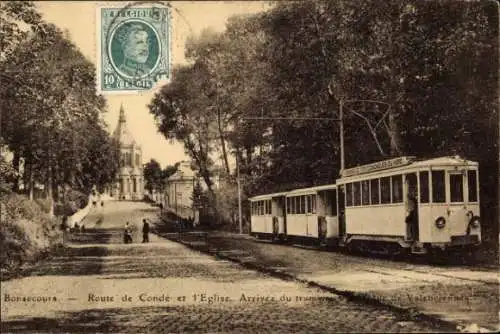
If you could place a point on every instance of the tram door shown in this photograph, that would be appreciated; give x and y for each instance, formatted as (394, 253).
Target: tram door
(341, 210)
(282, 201)
(411, 198)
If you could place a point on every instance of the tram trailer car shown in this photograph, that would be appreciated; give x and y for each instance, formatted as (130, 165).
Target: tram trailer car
(304, 215)
(311, 215)
(404, 204)
(268, 216)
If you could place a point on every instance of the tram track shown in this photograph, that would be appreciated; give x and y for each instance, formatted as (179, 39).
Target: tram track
(399, 261)
(408, 300)
(355, 258)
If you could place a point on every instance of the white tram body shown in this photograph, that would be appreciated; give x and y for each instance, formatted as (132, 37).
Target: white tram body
(307, 213)
(442, 195)
(267, 215)
(311, 213)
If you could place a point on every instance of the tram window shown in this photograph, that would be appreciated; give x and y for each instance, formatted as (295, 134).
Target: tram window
(385, 189)
(268, 210)
(313, 203)
(348, 194)
(472, 180)
(288, 205)
(308, 201)
(424, 187)
(374, 192)
(438, 190)
(270, 207)
(302, 204)
(397, 189)
(365, 192)
(356, 193)
(456, 188)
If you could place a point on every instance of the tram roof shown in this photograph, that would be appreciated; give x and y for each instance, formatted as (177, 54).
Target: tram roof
(406, 163)
(311, 189)
(294, 192)
(267, 196)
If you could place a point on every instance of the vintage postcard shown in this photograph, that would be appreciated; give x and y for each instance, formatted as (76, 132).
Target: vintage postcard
(249, 166)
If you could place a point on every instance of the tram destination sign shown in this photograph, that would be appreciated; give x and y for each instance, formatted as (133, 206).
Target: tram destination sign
(379, 165)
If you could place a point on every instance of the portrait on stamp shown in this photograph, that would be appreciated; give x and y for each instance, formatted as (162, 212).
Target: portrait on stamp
(134, 48)
(130, 48)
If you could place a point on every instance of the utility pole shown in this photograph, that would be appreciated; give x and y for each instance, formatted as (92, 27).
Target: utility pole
(239, 192)
(372, 128)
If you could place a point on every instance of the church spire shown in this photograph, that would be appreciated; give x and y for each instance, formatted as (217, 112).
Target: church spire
(121, 133)
(122, 118)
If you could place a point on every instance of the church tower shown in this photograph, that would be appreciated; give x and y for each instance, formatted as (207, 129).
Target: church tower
(130, 178)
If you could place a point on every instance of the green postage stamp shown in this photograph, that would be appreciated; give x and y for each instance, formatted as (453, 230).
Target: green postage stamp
(134, 48)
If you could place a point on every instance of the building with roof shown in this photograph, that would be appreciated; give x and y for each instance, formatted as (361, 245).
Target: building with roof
(130, 178)
(179, 189)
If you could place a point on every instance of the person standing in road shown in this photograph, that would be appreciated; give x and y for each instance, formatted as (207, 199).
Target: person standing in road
(127, 236)
(145, 231)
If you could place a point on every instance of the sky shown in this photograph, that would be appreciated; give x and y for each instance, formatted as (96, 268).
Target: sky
(188, 18)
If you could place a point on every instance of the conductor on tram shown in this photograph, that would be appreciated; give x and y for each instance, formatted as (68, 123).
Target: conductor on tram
(411, 217)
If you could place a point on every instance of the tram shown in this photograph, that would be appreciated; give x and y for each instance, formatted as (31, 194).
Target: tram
(391, 206)
(306, 214)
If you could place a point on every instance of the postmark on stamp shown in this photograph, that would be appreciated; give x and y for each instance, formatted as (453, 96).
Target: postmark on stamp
(134, 47)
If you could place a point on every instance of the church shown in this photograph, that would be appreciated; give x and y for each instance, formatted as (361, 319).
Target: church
(130, 177)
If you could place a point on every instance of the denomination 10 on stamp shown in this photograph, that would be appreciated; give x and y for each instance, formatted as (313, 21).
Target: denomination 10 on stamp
(134, 48)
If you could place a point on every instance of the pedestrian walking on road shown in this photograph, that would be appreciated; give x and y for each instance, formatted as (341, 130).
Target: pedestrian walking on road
(145, 231)
(127, 236)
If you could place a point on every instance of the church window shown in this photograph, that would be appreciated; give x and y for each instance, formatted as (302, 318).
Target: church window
(137, 162)
(135, 184)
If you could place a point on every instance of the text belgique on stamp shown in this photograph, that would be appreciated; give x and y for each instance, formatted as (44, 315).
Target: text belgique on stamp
(134, 47)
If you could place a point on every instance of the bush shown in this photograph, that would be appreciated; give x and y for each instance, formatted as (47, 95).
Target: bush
(73, 201)
(26, 231)
(45, 204)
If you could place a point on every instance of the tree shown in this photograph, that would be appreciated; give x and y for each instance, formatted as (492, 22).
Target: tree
(181, 113)
(153, 176)
(53, 107)
(429, 62)
(170, 170)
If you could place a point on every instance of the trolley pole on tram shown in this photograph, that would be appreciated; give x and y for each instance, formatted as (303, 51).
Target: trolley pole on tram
(341, 125)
